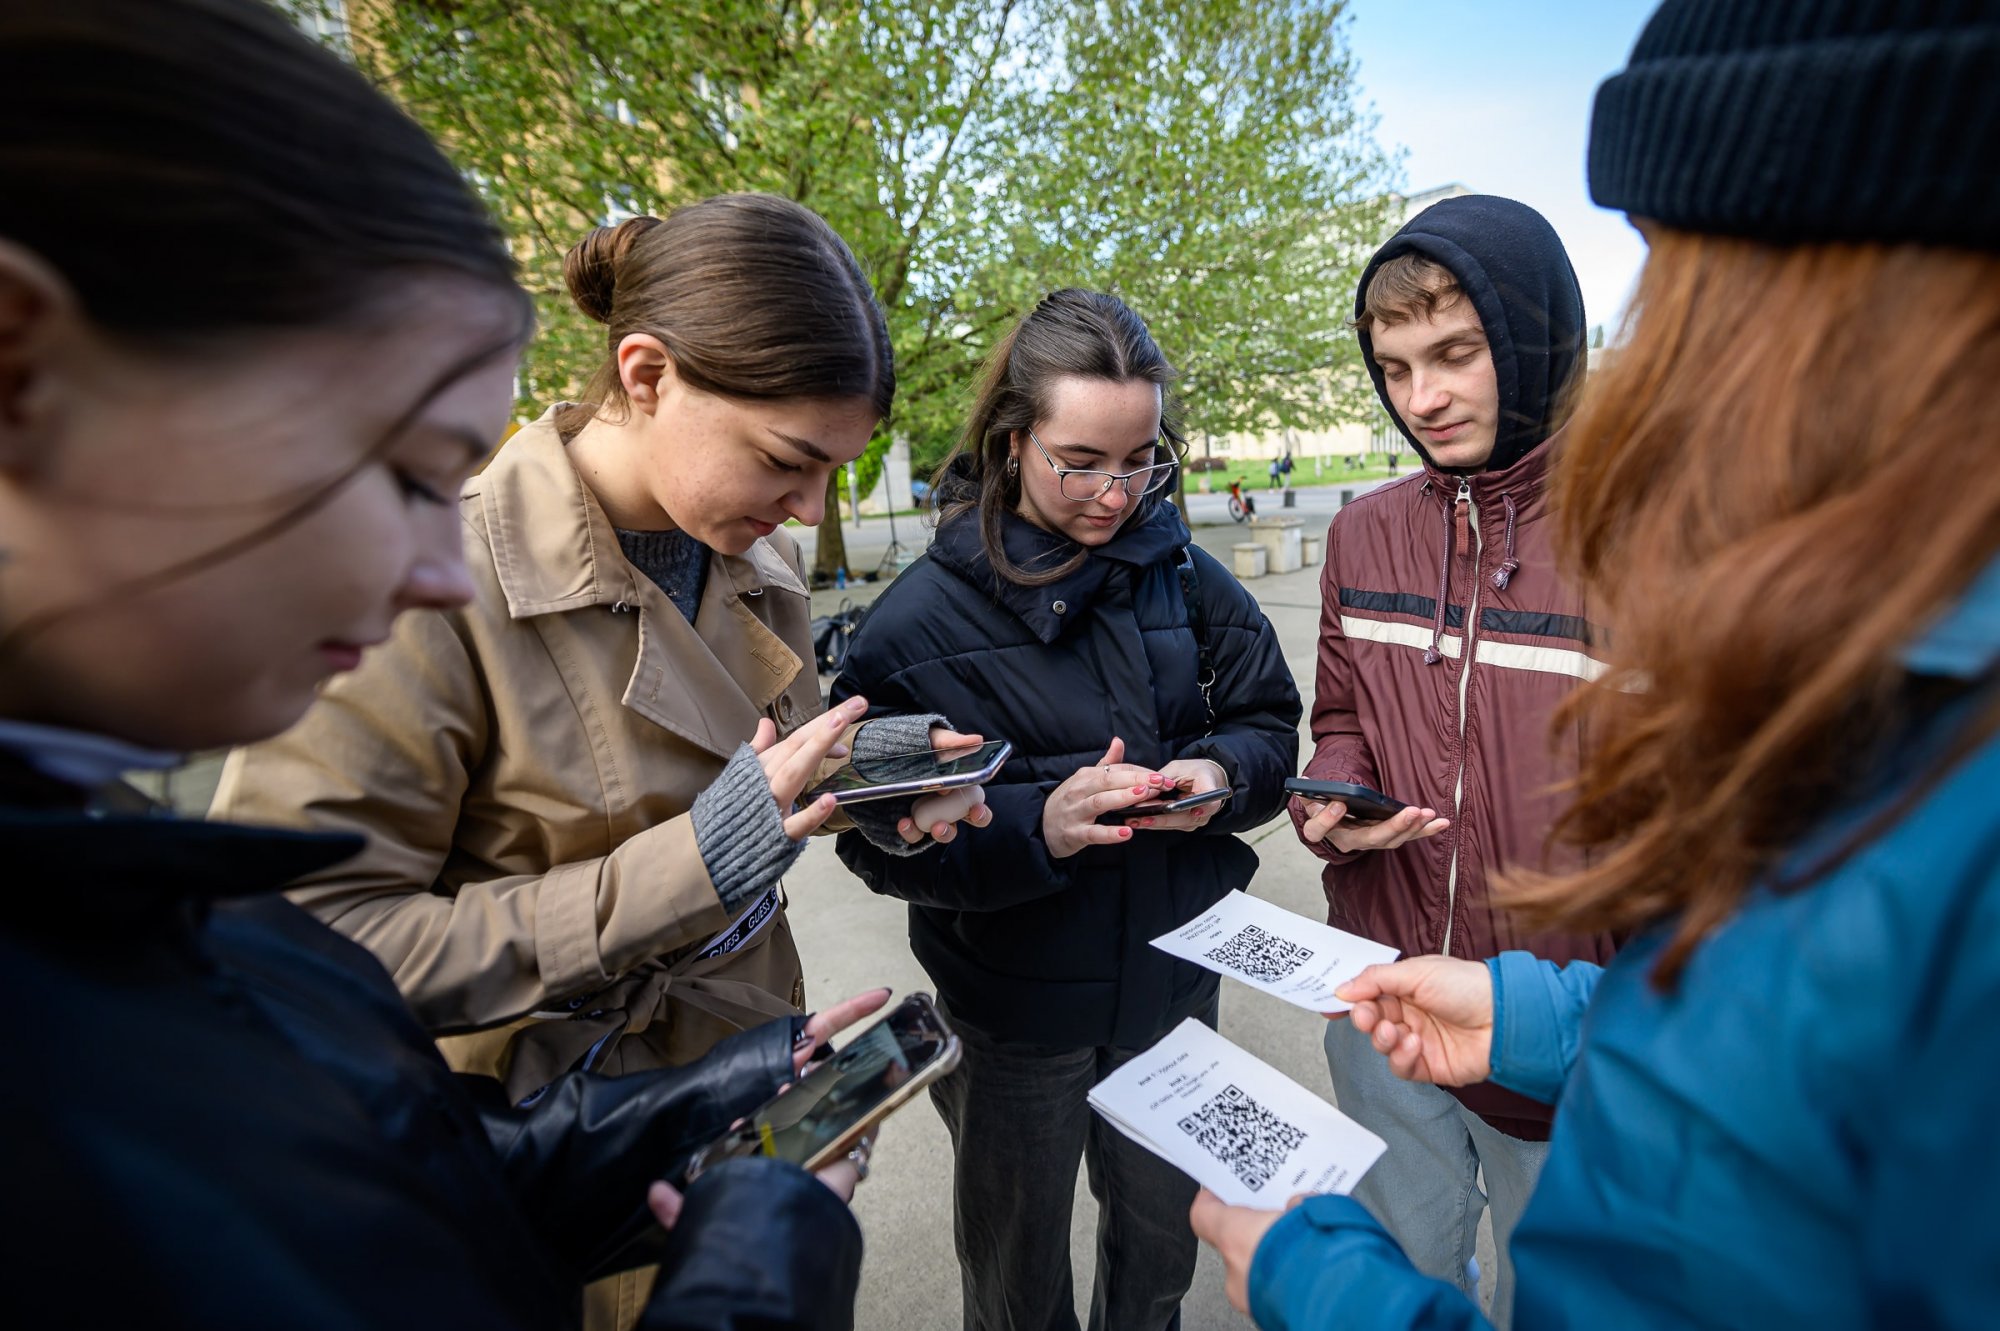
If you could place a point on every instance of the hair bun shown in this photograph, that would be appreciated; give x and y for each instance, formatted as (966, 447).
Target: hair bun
(590, 269)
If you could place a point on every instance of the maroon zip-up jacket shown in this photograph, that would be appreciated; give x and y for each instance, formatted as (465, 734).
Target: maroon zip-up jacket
(1446, 641)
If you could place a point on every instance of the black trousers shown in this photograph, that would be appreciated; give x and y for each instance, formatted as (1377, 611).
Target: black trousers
(1019, 1123)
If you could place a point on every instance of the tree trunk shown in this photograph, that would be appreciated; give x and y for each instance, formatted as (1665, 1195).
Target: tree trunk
(830, 555)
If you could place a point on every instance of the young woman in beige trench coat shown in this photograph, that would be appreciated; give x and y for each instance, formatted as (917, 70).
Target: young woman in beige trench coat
(573, 841)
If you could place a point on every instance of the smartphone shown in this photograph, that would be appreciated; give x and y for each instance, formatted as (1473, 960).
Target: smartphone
(1151, 808)
(827, 1111)
(916, 773)
(1363, 805)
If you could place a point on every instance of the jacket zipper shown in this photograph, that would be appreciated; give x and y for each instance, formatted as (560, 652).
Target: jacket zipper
(1464, 692)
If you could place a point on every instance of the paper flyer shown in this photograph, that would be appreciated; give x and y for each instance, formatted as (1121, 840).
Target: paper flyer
(1233, 1123)
(1268, 947)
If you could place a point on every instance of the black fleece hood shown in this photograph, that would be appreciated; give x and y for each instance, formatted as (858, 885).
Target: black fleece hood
(1509, 260)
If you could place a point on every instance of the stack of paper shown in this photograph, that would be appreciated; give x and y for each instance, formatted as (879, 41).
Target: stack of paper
(1234, 1124)
(1267, 947)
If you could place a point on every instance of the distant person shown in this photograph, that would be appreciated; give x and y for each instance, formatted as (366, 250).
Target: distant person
(1277, 472)
(1776, 1106)
(1065, 607)
(1285, 470)
(1447, 642)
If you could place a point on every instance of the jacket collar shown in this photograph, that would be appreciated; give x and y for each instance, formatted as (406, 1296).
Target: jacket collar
(135, 872)
(1525, 480)
(958, 547)
(555, 550)
(1964, 642)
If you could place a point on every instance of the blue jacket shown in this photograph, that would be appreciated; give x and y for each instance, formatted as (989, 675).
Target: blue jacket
(1801, 1134)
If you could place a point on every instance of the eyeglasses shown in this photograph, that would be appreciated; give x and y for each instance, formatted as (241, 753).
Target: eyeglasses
(1081, 485)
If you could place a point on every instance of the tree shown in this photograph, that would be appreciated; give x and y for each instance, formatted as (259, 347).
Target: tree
(1202, 158)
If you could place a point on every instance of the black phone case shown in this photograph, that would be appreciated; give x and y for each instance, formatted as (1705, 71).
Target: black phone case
(1372, 805)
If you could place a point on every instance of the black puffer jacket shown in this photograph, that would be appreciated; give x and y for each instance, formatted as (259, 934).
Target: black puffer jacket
(1055, 952)
(228, 1103)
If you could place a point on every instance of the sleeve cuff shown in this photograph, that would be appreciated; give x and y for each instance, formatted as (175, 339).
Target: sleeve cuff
(740, 833)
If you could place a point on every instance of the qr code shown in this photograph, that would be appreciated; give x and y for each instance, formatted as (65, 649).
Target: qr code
(1244, 1135)
(1261, 956)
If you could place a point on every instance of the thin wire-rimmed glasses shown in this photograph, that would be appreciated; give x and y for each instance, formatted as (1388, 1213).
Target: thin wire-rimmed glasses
(1081, 485)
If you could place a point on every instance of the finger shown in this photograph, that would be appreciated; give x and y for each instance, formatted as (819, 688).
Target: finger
(1321, 825)
(795, 761)
(810, 819)
(979, 815)
(952, 739)
(842, 1177)
(1367, 984)
(1207, 1215)
(1121, 797)
(1298, 1199)
(766, 736)
(1407, 1059)
(826, 1022)
(1114, 753)
(1100, 834)
(942, 832)
(664, 1201)
(908, 830)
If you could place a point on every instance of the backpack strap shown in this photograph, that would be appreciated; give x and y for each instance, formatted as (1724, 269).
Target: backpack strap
(1198, 621)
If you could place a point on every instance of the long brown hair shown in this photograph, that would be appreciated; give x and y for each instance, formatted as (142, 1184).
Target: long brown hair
(1086, 334)
(1781, 477)
(754, 295)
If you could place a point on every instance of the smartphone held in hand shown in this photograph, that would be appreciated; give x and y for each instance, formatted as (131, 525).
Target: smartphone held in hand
(1179, 804)
(1363, 805)
(921, 772)
(829, 1109)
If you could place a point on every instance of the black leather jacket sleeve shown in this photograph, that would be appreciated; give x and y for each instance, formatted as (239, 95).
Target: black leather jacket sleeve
(581, 1155)
(761, 1246)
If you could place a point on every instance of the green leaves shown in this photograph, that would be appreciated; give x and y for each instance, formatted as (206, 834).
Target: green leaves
(1203, 158)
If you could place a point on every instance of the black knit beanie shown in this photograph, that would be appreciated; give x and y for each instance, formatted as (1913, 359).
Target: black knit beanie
(1801, 120)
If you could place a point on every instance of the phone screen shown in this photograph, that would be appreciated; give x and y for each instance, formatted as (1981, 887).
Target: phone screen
(903, 768)
(843, 1090)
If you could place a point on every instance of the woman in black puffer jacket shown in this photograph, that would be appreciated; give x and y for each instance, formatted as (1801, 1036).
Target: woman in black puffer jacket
(1054, 610)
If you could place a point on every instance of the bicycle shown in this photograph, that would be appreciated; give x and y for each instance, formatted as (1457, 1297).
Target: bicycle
(1241, 505)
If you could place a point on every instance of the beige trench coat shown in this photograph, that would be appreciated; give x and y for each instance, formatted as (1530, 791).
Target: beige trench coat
(523, 768)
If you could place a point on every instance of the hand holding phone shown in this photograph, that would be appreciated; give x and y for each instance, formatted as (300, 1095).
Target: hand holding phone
(921, 772)
(830, 1109)
(1198, 789)
(1351, 818)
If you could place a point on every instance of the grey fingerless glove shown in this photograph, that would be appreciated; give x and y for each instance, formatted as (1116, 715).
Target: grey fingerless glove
(741, 833)
(876, 819)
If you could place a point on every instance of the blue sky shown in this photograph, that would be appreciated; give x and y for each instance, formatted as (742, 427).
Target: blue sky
(1496, 94)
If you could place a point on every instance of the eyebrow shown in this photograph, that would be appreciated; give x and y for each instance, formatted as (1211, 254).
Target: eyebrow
(805, 446)
(1092, 451)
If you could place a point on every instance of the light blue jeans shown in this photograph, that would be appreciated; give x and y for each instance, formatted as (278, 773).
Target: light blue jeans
(1426, 1189)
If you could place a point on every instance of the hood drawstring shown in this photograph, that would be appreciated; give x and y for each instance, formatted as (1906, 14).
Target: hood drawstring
(1431, 653)
(1510, 565)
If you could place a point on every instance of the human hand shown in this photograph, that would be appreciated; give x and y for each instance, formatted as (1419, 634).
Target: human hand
(664, 1200)
(1069, 816)
(936, 816)
(791, 762)
(1323, 823)
(1432, 1016)
(822, 1026)
(1234, 1232)
(1186, 776)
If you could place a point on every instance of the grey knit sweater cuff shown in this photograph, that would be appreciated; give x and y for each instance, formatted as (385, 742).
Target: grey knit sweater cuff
(876, 819)
(741, 833)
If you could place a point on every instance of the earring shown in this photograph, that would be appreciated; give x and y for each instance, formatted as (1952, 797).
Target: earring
(1013, 468)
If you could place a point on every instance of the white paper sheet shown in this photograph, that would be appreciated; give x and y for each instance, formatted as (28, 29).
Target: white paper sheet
(1267, 947)
(1234, 1124)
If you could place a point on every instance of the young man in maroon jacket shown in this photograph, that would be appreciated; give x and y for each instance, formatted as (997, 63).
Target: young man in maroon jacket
(1446, 642)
